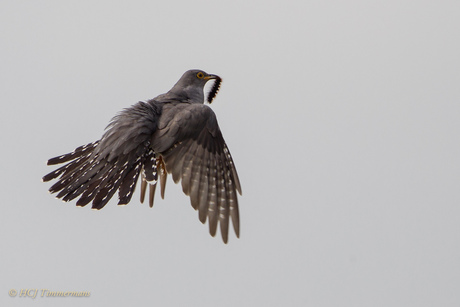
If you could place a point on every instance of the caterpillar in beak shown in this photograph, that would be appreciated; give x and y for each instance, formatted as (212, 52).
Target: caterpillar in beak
(215, 89)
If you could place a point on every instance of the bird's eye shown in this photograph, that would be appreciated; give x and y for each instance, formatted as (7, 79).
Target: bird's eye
(200, 75)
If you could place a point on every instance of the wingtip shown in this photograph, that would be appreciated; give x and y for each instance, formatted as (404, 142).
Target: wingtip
(238, 188)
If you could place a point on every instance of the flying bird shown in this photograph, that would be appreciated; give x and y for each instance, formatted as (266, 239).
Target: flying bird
(174, 133)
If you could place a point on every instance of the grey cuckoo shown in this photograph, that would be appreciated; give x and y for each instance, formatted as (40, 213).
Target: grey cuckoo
(174, 133)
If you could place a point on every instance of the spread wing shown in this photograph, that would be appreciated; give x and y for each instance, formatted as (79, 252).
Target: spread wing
(151, 140)
(94, 172)
(194, 152)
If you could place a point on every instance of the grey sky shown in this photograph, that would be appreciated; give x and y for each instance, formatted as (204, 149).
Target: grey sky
(342, 118)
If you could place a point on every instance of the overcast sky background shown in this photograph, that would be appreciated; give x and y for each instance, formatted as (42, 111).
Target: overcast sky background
(343, 118)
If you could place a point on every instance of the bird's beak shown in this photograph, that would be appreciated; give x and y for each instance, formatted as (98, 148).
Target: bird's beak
(209, 77)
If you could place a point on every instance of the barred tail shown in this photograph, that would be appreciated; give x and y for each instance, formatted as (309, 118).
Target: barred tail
(94, 178)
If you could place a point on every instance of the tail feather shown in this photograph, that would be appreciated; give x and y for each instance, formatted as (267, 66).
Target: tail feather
(152, 194)
(66, 169)
(95, 179)
(128, 183)
(143, 186)
(78, 152)
(105, 194)
(89, 193)
(150, 167)
(108, 188)
(111, 181)
(79, 178)
(163, 176)
(149, 176)
(73, 191)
